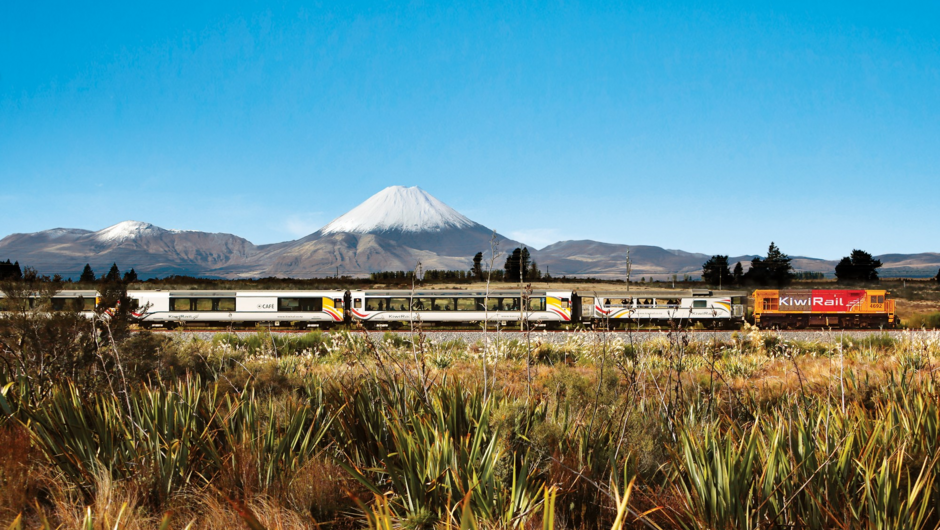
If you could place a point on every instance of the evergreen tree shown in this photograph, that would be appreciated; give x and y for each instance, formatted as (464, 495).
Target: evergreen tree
(779, 269)
(477, 269)
(518, 265)
(757, 274)
(512, 265)
(114, 274)
(524, 261)
(10, 271)
(88, 275)
(130, 276)
(738, 275)
(534, 273)
(715, 271)
(859, 266)
(775, 269)
(938, 276)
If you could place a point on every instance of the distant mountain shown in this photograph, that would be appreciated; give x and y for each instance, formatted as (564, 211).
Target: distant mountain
(593, 258)
(392, 230)
(151, 250)
(413, 218)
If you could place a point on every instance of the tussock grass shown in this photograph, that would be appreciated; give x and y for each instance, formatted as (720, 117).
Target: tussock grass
(346, 431)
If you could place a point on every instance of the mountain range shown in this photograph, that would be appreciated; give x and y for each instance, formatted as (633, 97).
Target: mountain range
(392, 230)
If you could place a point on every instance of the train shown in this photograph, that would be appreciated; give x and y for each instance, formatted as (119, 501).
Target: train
(829, 308)
(535, 309)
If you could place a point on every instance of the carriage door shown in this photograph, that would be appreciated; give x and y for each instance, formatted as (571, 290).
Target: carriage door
(587, 307)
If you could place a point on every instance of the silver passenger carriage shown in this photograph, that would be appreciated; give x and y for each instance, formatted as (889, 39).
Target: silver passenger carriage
(297, 309)
(394, 309)
(82, 301)
(677, 308)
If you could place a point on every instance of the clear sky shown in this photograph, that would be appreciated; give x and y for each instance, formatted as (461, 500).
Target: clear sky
(706, 128)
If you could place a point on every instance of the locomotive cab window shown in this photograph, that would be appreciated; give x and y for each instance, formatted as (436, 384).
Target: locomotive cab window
(771, 304)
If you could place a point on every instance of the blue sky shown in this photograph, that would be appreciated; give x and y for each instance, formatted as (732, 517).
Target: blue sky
(707, 128)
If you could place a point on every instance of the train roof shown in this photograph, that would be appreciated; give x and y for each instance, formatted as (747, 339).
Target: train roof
(663, 293)
(66, 294)
(229, 294)
(405, 293)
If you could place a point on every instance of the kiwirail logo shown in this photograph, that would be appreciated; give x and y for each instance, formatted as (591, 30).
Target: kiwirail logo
(793, 302)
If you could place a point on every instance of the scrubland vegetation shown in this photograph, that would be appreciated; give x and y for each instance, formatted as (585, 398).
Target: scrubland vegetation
(102, 428)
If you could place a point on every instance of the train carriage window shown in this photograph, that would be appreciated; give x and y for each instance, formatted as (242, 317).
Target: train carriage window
(337, 303)
(88, 304)
(493, 304)
(536, 304)
(180, 304)
(306, 305)
(203, 304)
(288, 304)
(357, 303)
(398, 304)
(372, 304)
(225, 304)
(466, 304)
(311, 305)
(423, 304)
(510, 304)
(699, 304)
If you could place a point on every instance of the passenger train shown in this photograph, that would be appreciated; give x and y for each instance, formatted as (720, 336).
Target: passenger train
(377, 309)
(549, 309)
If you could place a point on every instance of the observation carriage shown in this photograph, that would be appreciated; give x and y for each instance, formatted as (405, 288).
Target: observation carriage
(397, 308)
(675, 308)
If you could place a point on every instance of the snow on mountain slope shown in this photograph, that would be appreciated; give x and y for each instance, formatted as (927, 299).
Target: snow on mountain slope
(398, 208)
(127, 230)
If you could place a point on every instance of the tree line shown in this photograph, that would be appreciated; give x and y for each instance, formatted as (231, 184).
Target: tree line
(776, 270)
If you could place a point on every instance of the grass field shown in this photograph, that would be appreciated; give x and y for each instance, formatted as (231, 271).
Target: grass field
(304, 431)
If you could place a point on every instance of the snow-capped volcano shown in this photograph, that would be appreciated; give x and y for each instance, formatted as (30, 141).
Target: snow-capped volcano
(399, 209)
(392, 230)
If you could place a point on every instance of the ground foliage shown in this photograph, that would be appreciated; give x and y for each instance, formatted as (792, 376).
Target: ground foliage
(341, 430)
